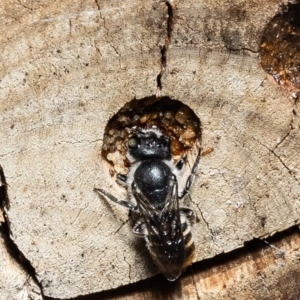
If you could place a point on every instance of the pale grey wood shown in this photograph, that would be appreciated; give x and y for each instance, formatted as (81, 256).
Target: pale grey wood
(68, 67)
(254, 170)
(15, 283)
(271, 272)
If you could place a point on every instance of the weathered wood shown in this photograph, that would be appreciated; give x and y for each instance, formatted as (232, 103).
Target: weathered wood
(15, 283)
(68, 67)
(258, 271)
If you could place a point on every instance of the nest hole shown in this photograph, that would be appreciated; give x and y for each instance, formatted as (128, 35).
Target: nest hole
(172, 117)
(280, 47)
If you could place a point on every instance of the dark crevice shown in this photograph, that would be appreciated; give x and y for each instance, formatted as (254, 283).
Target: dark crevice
(257, 244)
(159, 286)
(170, 23)
(164, 49)
(4, 201)
(158, 80)
(241, 49)
(15, 252)
(5, 233)
(97, 4)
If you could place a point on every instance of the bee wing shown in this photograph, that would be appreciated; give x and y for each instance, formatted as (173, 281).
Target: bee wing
(165, 239)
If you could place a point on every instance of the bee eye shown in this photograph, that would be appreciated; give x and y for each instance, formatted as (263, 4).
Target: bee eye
(132, 143)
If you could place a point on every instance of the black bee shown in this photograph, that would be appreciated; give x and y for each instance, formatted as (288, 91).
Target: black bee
(154, 183)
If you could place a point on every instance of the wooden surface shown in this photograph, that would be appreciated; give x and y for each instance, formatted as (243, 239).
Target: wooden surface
(67, 67)
(259, 270)
(16, 281)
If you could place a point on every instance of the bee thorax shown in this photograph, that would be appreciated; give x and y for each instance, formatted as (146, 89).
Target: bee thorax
(153, 179)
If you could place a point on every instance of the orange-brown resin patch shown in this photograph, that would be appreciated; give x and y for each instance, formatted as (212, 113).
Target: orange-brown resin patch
(280, 47)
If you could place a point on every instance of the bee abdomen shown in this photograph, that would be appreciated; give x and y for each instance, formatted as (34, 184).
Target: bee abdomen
(188, 243)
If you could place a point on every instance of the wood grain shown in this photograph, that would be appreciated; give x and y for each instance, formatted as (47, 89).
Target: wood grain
(67, 67)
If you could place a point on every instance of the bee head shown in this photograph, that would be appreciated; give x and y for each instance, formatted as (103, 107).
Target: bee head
(149, 144)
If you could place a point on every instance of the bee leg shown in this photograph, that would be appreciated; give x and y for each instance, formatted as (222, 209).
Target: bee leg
(191, 177)
(189, 213)
(139, 228)
(181, 162)
(121, 178)
(114, 199)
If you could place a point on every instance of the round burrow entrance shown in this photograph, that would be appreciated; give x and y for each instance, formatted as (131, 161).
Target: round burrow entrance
(280, 47)
(171, 117)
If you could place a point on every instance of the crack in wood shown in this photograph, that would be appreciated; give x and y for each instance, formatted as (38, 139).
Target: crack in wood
(240, 49)
(207, 225)
(4, 200)
(164, 49)
(97, 4)
(294, 114)
(123, 223)
(280, 159)
(5, 233)
(129, 267)
(253, 250)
